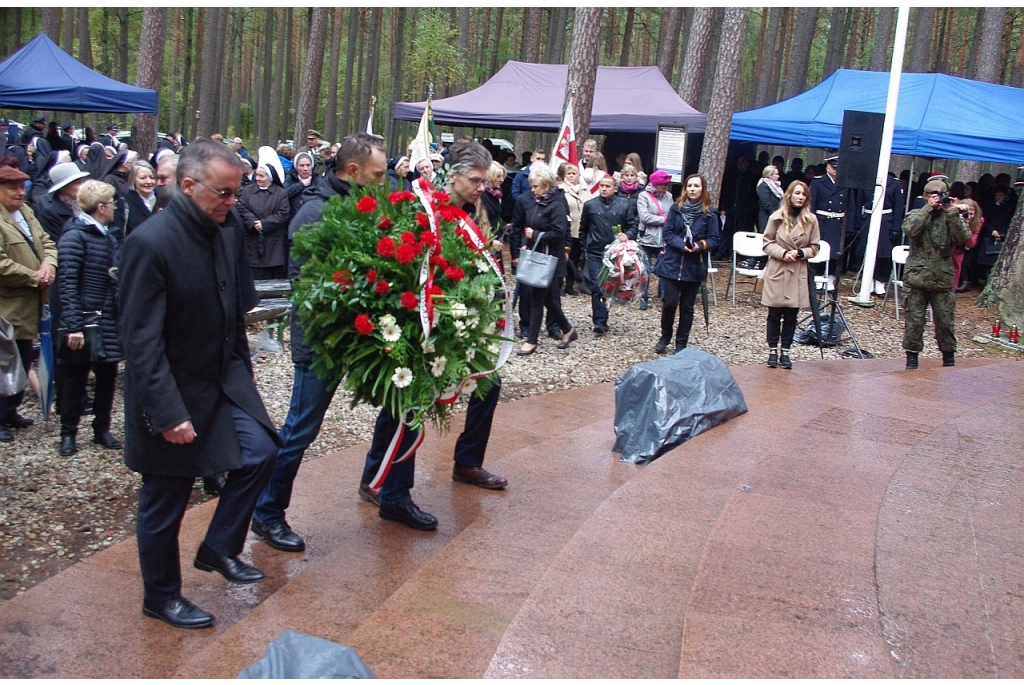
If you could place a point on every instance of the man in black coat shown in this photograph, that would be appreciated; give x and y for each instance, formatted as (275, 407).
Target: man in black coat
(191, 406)
(828, 202)
(600, 215)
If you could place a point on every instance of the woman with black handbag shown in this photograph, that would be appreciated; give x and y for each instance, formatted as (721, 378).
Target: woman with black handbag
(547, 225)
(89, 256)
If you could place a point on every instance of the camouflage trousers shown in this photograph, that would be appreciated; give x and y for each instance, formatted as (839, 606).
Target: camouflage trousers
(943, 306)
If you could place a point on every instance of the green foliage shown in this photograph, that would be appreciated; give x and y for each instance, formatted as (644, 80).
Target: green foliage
(434, 57)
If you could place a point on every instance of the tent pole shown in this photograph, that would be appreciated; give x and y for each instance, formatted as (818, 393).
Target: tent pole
(881, 177)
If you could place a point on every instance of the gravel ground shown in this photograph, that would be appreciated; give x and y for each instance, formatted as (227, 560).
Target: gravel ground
(56, 510)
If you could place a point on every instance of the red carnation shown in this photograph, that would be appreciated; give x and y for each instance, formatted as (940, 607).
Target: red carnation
(435, 291)
(441, 196)
(343, 279)
(366, 204)
(408, 238)
(371, 275)
(385, 223)
(401, 196)
(428, 239)
(409, 300)
(364, 325)
(386, 247)
(422, 220)
(405, 254)
(500, 323)
(455, 273)
(382, 287)
(439, 261)
(451, 213)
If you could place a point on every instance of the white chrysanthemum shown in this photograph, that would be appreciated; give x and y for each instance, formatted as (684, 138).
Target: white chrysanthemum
(482, 266)
(472, 312)
(473, 322)
(402, 378)
(428, 347)
(437, 366)
(450, 389)
(469, 387)
(491, 328)
(495, 348)
(460, 326)
(470, 354)
(391, 332)
(458, 310)
(387, 320)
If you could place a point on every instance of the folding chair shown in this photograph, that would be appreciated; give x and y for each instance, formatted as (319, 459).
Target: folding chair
(899, 260)
(745, 245)
(824, 254)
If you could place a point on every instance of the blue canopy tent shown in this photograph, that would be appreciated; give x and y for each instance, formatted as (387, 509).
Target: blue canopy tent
(937, 116)
(41, 76)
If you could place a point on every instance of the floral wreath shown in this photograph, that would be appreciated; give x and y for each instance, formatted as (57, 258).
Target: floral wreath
(401, 302)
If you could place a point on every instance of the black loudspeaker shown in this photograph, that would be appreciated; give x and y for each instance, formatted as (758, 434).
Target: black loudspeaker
(859, 146)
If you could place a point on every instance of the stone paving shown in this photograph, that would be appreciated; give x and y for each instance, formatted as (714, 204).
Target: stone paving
(858, 521)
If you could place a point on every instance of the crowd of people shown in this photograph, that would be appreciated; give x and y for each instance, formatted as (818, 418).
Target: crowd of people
(70, 220)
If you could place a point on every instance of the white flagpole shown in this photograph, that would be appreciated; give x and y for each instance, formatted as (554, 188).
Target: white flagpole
(881, 177)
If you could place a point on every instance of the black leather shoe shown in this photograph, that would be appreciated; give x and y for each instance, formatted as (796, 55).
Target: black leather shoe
(554, 333)
(5, 434)
(278, 535)
(679, 348)
(478, 476)
(784, 361)
(521, 352)
(773, 359)
(911, 361)
(214, 485)
(107, 440)
(178, 612)
(16, 420)
(232, 568)
(368, 494)
(601, 328)
(408, 513)
(573, 337)
(662, 344)
(67, 446)
(949, 358)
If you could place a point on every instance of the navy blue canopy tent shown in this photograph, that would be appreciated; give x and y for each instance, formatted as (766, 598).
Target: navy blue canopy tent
(529, 97)
(937, 116)
(42, 76)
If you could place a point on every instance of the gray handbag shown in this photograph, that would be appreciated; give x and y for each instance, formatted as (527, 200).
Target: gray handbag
(12, 374)
(536, 269)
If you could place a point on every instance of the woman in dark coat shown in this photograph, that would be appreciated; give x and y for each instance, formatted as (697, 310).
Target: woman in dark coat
(690, 233)
(769, 195)
(545, 227)
(89, 257)
(141, 195)
(301, 177)
(265, 211)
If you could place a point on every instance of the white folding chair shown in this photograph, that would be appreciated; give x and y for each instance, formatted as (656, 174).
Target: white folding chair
(745, 245)
(711, 276)
(899, 260)
(824, 254)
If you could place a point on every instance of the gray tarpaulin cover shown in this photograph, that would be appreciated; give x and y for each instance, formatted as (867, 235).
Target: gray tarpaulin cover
(663, 403)
(295, 655)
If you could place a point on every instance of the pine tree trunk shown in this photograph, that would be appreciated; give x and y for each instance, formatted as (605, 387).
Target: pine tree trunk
(708, 80)
(627, 38)
(68, 27)
(529, 52)
(312, 68)
(582, 72)
(84, 41)
(799, 59)
(691, 78)
(148, 73)
(668, 40)
(880, 57)
(350, 60)
(209, 82)
(122, 45)
(397, 70)
(462, 45)
(727, 71)
(989, 66)
(333, 65)
(497, 41)
(764, 94)
(291, 84)
(51, 23)
(921, 42)
(264, 133)
(187, 93)
(836, 39)
(1005, 286)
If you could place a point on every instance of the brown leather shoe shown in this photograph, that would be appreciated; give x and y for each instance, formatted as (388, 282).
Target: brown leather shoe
(476, 475)
(368, 494)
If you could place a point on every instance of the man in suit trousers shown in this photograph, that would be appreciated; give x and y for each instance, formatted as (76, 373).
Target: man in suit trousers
(191, 406)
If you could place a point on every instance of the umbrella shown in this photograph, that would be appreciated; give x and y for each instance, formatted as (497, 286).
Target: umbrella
(815, 312)
(47, 364)
(704, 303)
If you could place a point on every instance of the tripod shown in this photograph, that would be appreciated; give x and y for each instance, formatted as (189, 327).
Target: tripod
(836, 310)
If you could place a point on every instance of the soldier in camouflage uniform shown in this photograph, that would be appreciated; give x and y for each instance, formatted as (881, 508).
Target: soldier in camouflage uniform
(932, 231)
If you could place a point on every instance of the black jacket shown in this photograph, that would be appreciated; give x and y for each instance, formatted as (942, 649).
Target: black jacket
(678, 265)
(185, 288)
(297, 193)
(599, 216)
(550, 217)
(53, 213)
(87, 284)
(270, 206)
(137, 211)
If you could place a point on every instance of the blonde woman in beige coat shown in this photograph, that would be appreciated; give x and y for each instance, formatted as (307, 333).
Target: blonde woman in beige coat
(790, 239)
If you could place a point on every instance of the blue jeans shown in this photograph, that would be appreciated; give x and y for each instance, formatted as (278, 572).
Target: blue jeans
(309, 403)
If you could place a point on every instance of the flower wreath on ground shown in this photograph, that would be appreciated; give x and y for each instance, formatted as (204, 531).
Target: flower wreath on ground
(401, 302)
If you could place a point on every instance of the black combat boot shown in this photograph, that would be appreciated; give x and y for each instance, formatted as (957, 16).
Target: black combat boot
(784, 359)
(949, 359)
(911, 361)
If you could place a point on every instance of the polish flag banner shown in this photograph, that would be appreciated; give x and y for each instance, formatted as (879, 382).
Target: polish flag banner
(565, 147)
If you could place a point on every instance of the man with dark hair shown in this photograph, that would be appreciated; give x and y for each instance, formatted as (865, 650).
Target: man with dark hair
(828, 201)
(360, 161)
(191, 404)
(109, 139)
(599, 217)
(37, 129)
